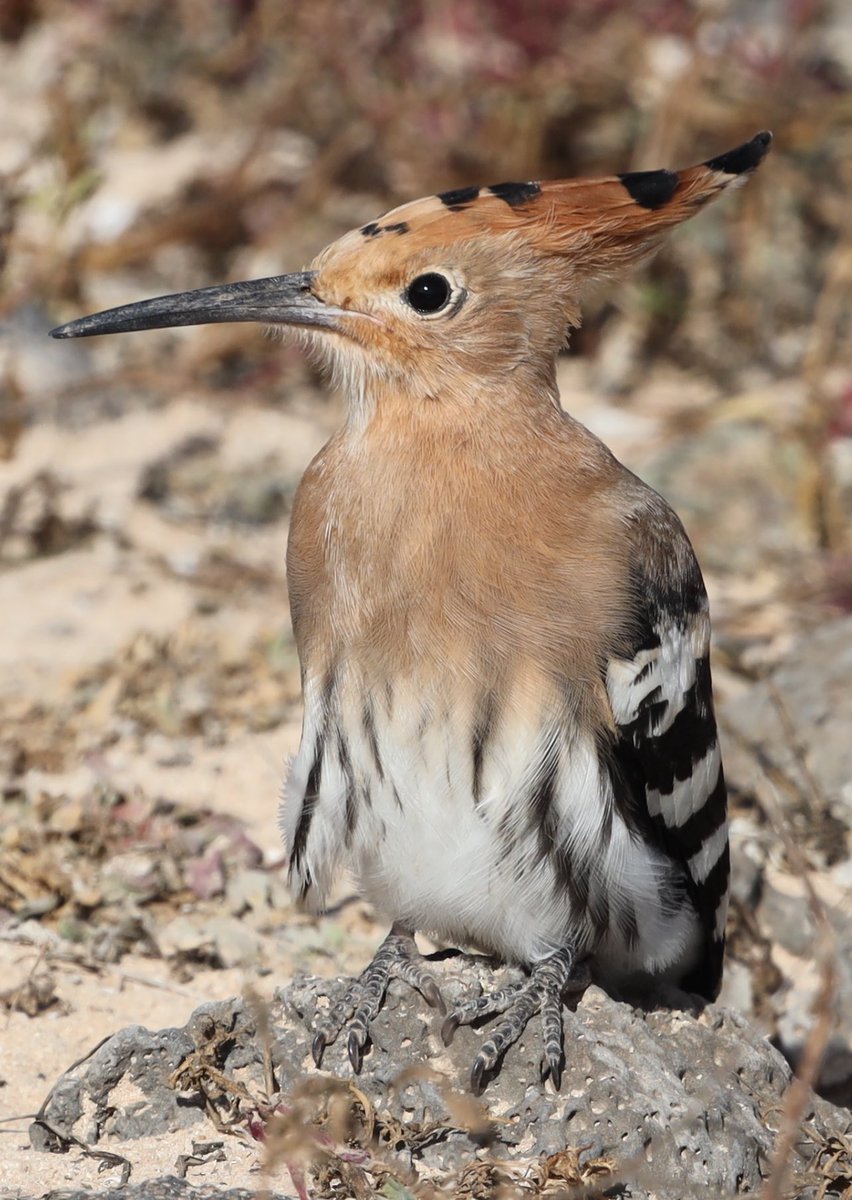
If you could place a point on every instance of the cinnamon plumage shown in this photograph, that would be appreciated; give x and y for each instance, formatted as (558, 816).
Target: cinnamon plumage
(508, 719)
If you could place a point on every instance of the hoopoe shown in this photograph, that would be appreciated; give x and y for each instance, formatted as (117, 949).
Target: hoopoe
(508, 726)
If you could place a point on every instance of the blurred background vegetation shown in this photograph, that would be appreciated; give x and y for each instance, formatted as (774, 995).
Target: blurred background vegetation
(156, 145)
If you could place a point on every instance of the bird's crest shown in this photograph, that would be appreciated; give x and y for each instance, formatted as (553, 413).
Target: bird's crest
(600, 223)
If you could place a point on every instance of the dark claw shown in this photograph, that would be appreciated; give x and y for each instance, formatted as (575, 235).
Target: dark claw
(479, 1068)
(318, 1048)
(433, 997)
(448, 1029)
(355, 1049)
(552, 1068)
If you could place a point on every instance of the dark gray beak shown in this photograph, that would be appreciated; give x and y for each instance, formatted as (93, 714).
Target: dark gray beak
(281, 300)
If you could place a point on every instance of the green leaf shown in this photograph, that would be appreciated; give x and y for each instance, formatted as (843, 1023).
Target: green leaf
(394, 1190)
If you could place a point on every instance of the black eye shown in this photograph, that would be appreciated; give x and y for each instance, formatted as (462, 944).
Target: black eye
(429, 293)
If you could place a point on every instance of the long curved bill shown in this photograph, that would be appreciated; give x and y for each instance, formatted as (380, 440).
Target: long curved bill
(279, 300)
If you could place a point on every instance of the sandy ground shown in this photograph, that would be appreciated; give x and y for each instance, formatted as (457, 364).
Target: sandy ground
(133, 581)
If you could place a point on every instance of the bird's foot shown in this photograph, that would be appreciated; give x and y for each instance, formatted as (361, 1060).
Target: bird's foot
(397, 957)
(542, 993)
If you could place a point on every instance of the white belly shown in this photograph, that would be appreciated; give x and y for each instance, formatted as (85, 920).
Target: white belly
(541, 859)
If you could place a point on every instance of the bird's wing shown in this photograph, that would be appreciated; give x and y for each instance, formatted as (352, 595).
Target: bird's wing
(664, 758)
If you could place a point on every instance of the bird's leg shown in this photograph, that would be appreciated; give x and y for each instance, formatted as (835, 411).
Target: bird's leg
(397, 956)
(542, 993)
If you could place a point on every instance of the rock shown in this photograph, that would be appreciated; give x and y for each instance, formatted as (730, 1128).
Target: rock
(783, 912)
(169, 1187)
(664, 1103)
(813, 687)
(727, 481)
(236, 944)
(121, 1091)
(224, 939)
(248, 889)
(814, 683)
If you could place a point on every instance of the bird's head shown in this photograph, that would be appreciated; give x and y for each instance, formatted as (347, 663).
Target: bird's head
(456, 292)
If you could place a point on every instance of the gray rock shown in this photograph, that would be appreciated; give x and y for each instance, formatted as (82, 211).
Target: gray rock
(813, 683)
(787, 920)
(123, 1090)
(167, 1188)
(727, 481)
(674, 1101)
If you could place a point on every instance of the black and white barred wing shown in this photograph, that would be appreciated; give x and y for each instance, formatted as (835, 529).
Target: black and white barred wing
(666, 753)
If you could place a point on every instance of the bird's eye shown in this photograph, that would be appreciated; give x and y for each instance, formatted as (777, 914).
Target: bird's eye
(429, 294)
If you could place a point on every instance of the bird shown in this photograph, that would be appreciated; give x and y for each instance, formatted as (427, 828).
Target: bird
(508, 731)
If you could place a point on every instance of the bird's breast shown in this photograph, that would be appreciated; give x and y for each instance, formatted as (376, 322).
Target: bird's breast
(405, 562)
